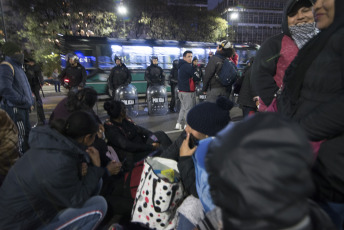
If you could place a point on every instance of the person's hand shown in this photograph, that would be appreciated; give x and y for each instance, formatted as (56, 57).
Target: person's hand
(100, 132)
(94, 155)
(184, 149)
(205, 93)
(114, 167)
(84, 168)
(156, 145)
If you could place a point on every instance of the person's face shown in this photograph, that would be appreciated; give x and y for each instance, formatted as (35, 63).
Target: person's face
(303, 15)
(72, 62)
(188, 58)
(196, 134)
(324, 11)
(195, 62)
(118, 62)
(155, 61)
(89, 139)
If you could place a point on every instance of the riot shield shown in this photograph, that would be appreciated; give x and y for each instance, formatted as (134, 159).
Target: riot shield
(128, 95)
(157, 100)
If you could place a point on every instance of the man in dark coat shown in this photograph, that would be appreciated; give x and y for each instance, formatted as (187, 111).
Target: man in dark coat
(16, 92)
(35, 77)
(154, 74)
(119, 75)
(75, 73)
(211, 86)
(173, 81)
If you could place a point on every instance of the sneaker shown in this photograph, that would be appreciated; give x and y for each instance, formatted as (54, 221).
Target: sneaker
(178, 126)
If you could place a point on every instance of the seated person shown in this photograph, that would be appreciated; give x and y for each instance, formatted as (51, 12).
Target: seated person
(48, 188)
(259, 172)
(131, 142)
(9, 151)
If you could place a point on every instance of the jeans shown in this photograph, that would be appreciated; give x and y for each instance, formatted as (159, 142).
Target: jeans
(86, 217)
(335, 211)
(57, 85)
(184, 223)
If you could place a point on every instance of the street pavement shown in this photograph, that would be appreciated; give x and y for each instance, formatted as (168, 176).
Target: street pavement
(154, 123)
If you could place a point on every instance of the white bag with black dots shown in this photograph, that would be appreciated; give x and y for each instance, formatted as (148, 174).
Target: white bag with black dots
(159, 194)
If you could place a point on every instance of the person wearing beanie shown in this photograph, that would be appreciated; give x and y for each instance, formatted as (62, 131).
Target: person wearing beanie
(211, 86)
(260, 176)
(8, 144)
(204, 120)
(198, 70)
(277, 52)
(15, 91)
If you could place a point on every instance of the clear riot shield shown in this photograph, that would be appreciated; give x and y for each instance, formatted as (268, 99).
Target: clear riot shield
(157, 100)
(200, 97)
(128, 95)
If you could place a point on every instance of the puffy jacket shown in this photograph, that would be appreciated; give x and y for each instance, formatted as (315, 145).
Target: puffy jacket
(34, 75)
(76, 74)
(46, 180)
(120, 75)
(273, 198)
(186, 76)
(15, 90)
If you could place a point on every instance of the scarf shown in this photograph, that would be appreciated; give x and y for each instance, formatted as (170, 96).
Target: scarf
(301, 34)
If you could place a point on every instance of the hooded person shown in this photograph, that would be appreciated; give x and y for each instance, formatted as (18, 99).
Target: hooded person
(260, 176)
(211, 86)
(9, 152)
(313, 96)
(277, 52)
(15, 91)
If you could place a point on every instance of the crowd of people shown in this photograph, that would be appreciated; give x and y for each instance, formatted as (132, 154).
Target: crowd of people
(279, 168)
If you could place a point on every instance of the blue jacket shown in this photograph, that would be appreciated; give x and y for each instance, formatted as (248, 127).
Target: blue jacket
(15, 90)
(45, 181)
(186, 76)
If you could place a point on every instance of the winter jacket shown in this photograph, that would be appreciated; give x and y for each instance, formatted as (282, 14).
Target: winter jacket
(15, 90)
(209, 80)
(173, 77)
(76, 74)
(260, 176)
(127, 136)
(319, 111)
(154, 75)
(186, 77)
(46, 180)
(34, 75)
(186, 165)
(120, 75)
(271, 61)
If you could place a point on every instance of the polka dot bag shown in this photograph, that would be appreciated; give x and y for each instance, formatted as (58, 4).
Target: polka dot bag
(159, 194)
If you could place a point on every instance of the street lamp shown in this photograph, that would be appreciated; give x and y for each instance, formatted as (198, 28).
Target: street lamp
(122, 10)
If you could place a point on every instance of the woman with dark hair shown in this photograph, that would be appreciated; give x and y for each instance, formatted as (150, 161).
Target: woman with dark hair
(313, 96)
(48, 188)
(84, 99)
(128, 139)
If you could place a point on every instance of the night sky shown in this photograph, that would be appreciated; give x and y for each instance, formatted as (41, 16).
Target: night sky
(213, 3)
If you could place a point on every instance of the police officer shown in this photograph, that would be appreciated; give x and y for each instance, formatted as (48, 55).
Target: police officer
(75, 73)
(119, 75)
(35, 78)
(154, 74)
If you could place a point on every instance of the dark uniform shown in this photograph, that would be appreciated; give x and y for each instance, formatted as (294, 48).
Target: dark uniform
(120, 75)
(35, 78)
(154, 75)
(76, 74)
(173, 80)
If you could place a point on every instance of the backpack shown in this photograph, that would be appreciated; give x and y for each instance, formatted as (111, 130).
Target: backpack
(226, 73)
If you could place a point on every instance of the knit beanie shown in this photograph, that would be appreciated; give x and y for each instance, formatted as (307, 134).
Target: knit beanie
(208, 117)
(8, 142)
(10, 48)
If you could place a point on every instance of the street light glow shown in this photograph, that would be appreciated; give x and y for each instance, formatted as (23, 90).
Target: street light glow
(234, 16)
(122, 9)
